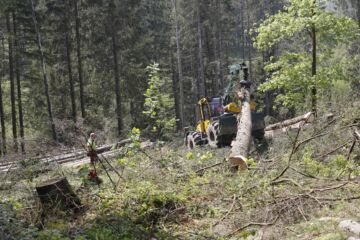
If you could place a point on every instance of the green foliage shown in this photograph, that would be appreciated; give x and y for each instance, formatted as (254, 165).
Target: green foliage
(206, 156)
(292, 71)
(97, 233)
(336, 167)
(51, 234)
(134, 136)
(158, 103)
(190, 155)
(146, 202)
(10, 227)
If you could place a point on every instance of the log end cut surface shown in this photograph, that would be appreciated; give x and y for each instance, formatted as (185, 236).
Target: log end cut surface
(238, 161)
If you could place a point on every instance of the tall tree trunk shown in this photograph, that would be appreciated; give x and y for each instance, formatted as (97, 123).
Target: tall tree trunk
(179, 67)
(176, 94)
(248, 39)
(313, 67)
(358, 11)
(116, 68)
(79, 58)
(18, 82)
(68, 59)
(43, 69)
(313, 72)
(243, 42)
(219, 43)
(201, 77)
(2, 117)
(12, 82)
(217, 82)
(195, 88)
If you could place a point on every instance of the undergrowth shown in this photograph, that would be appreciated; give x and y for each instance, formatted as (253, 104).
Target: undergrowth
(299, 188)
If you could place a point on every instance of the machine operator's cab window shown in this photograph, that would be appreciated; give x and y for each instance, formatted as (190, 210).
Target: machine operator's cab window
(216, 107)
(207, 115)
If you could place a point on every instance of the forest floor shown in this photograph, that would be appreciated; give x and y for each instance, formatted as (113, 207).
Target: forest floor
(300, 185)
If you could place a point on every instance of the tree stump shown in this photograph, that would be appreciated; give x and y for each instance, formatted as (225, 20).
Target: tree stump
(57, 193)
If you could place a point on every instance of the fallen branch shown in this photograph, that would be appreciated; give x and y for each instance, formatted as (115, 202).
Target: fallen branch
(228, 212)
(332, 151)
(340, 199)
(290, 157)
(302, 173)
(351, 150)
(328, 188)
(253, 224)
(286, 180)
(208, 167)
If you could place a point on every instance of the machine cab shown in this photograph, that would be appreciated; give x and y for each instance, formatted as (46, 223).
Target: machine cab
(209, 109)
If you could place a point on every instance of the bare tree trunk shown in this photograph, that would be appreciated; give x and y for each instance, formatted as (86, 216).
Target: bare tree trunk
(179, 66)
(241, 145)
(2, 117)
(313, 72)
(217, 50)
(358, 11)
(219, 39)
(176, 94)
(79, 58)
(68, 59)
(313, 67)
(12, 83)
(243, 42)
(201, 77)
(249, 41)
(18, 82)
(116, 68)
(43, 68)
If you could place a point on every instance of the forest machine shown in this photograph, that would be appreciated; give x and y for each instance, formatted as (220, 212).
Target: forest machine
(218, 116)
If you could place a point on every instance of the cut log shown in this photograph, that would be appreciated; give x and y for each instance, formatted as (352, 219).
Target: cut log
(307, 118)
(240, 146)
(57, 193)
(110, 146)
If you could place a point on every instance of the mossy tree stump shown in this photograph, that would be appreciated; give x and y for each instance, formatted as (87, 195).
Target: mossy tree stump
(57, 193)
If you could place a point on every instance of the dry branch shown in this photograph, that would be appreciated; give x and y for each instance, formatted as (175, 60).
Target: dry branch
(228, 212)
(254, 224)
(208, 167)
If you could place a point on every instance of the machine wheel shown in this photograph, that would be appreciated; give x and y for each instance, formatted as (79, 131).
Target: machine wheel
(214, 139)
(193, 139)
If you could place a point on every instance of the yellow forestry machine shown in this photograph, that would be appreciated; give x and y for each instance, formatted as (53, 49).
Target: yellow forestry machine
(218, 116)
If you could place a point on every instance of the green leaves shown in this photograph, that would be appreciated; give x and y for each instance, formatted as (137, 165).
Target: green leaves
(158, 103)
(292, 72)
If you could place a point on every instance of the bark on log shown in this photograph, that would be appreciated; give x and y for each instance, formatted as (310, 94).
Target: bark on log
(308, 117)
(57, 193)
(240, 146)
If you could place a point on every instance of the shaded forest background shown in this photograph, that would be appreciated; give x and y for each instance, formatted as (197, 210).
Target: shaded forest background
(71, 66)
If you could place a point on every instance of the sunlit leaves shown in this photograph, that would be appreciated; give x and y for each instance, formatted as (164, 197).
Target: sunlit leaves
(292, 71)
(158, 103)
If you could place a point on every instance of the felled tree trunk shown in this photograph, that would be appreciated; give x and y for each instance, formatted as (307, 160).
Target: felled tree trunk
(57, 193)
(308, 117)
(240, 146)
